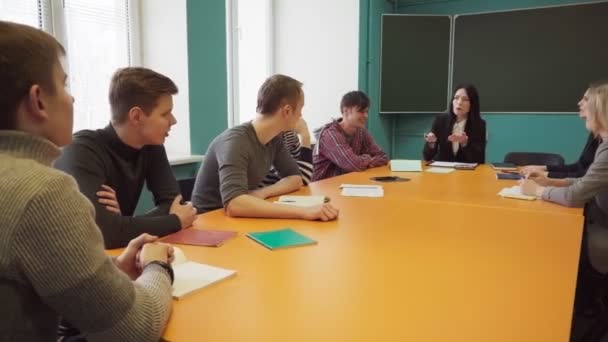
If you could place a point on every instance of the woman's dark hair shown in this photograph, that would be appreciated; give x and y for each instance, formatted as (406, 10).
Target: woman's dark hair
(474, 114)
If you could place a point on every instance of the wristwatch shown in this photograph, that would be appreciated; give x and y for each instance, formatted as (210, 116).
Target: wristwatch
(164, 265)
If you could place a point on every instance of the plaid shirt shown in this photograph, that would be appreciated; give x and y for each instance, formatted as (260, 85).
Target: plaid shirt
(337, 153)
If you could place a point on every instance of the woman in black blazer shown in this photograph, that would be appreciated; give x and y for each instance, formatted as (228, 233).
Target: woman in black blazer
(460, 135)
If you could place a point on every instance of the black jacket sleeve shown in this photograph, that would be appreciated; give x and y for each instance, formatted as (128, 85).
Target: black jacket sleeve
(86, 165)
(428, 152)
(579, 168)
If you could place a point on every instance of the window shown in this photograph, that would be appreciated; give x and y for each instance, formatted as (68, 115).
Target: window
(97, 37)
(102, 35)
(250, 54)
(97, 44)
(28, 12)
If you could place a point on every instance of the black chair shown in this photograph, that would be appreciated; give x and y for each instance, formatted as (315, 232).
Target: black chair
(534, 158)
(598, 329)
(186, 186)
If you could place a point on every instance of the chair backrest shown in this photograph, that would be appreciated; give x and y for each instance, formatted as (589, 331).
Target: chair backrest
(186, 186)
(597, 330)
(534, 158)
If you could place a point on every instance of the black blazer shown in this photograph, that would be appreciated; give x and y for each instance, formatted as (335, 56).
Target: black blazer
(579, 168)
(474, 152)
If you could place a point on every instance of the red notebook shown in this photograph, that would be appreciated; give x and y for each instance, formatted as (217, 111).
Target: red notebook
(197, 237)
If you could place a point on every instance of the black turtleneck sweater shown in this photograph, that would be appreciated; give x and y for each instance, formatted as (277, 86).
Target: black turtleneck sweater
(100, 157)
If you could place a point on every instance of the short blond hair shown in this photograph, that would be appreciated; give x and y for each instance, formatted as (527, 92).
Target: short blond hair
(597, 104)
(277, 90)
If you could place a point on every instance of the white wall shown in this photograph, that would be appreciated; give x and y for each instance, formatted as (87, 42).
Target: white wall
(317, 43)
(164, 49)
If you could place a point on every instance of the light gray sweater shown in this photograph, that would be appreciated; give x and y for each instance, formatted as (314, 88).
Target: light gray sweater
(52, 261)
(592, 190)
(583, 189)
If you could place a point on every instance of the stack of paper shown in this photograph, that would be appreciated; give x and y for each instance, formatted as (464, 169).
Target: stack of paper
(191, 276)
(355, 190)
(454, 165)
(515, 192)
(302, 201)
(439, 170)
(403, 165)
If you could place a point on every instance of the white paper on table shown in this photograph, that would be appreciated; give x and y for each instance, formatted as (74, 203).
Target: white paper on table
(452, 164)
(301, 201)
(515, 192)
(439, 170)
(362, 190)
(191, 276)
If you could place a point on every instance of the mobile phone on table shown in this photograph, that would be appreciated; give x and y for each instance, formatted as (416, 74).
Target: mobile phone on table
(389, 179)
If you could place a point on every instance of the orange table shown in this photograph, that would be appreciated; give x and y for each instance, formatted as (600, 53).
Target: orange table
(406, 267)
(478, 187)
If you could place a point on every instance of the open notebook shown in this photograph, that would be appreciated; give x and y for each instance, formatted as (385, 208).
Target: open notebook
(515, 192)
(192, 276)
(302, 201)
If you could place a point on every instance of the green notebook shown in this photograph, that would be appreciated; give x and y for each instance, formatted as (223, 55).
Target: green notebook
(281, 238)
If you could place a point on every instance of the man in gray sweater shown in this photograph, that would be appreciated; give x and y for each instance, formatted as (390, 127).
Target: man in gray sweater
(237, 160)
(52, 261)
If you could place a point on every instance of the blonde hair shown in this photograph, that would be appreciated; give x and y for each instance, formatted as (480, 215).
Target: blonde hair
(597, 104)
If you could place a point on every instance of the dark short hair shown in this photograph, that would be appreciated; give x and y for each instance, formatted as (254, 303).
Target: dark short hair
(474, 112)
(137, 87)
(27, 57)
(356, 99)
(275, 91)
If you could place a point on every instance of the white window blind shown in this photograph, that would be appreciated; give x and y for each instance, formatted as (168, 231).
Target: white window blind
(29, 12)
(97, 44)
(102, 35)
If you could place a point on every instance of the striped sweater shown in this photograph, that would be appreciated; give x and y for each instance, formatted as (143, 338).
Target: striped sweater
(337, 153)
(302, 155)
(52, 261)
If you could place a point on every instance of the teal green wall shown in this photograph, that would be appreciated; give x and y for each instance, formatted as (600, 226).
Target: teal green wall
(207, 74)
(401, 134)
(207, 71)
(370, 12)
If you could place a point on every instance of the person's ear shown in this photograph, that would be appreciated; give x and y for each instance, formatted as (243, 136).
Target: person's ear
(287, 110)
(136, 115)
(36, 103)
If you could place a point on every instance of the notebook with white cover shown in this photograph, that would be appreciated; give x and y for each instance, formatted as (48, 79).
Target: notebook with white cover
(191, 276)
(404, 165)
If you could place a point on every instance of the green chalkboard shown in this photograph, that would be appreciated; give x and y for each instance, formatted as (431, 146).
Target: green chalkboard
(415, 63)
(532, 60)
